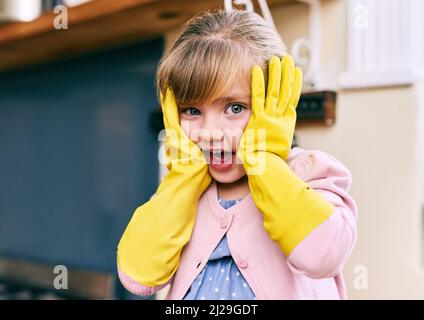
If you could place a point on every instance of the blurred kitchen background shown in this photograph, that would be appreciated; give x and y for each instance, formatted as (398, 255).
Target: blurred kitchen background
(79, 124)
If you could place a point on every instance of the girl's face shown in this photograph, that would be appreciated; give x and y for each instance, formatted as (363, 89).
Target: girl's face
(217, 129)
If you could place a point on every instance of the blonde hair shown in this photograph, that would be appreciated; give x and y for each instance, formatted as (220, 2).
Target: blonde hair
(213, 51)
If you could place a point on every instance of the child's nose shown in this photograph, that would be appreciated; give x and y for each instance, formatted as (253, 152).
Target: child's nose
(211, 136)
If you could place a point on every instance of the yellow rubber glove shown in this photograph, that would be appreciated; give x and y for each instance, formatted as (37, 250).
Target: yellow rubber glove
(291, 209)
(150, 248)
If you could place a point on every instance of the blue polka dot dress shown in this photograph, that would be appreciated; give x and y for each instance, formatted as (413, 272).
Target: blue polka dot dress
(220, 279)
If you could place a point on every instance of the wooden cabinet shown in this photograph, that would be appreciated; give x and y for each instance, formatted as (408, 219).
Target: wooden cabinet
(95, 25)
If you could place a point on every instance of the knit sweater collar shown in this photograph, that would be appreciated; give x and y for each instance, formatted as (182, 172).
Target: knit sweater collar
(218, 211)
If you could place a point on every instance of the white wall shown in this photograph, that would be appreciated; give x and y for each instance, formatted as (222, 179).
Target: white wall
(376, 137)
(379, 136)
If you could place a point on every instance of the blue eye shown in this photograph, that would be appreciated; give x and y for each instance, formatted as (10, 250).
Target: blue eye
(191, 111)
(236, 108)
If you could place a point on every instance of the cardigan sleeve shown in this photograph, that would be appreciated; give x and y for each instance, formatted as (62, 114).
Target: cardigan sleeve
(138, 289)
(324, 251)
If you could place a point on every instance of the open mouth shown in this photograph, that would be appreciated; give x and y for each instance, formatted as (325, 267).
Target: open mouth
(220, 159)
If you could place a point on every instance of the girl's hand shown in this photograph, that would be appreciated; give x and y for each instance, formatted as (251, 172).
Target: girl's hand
(180, 150)
(150, 248)
(291, 208)
(273, 119)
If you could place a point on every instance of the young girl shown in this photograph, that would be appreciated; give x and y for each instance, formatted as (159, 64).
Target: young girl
(241, 214)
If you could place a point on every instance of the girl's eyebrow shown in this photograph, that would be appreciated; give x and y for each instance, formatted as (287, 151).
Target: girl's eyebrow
(224, 99)
(233, 98)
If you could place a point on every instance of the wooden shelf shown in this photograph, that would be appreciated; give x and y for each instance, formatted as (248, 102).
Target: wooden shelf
(94, 25)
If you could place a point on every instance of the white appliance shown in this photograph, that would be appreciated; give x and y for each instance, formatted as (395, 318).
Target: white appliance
(74, 3)
(20, 10)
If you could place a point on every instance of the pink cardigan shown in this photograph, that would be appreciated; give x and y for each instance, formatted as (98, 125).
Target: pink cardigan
(311, 271)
